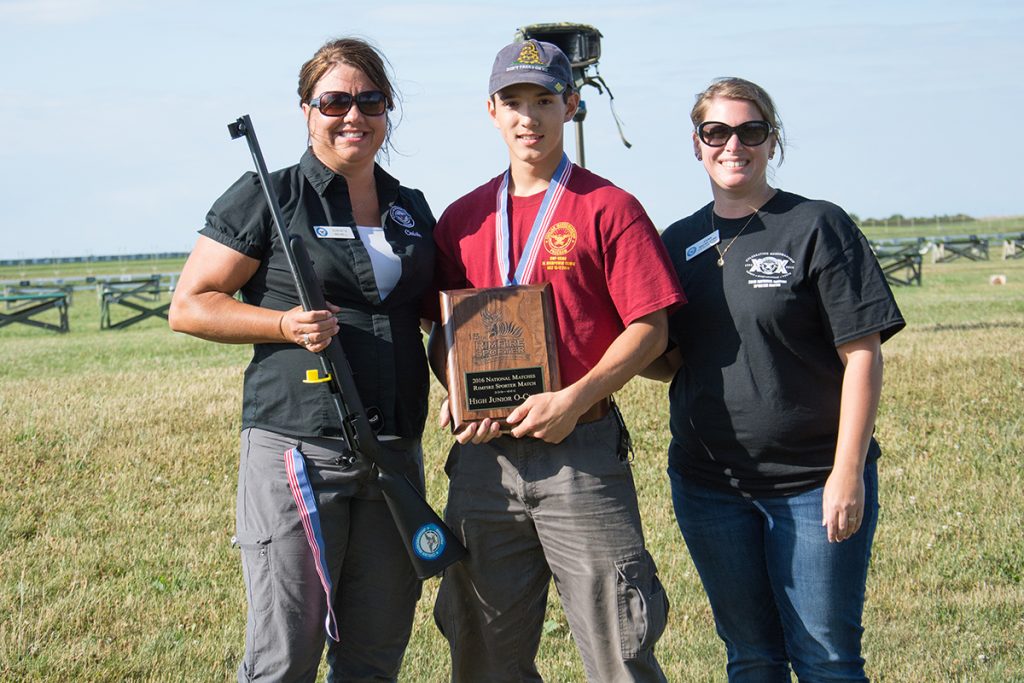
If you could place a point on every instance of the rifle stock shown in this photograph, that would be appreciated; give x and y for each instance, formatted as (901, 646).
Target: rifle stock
(430, 543)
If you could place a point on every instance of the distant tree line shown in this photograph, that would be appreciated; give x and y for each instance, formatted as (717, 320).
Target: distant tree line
(900, 219)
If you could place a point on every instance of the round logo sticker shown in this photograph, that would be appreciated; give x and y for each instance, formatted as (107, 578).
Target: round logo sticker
(402, 217)
(321, 231)
(429, 542)
(560, 239)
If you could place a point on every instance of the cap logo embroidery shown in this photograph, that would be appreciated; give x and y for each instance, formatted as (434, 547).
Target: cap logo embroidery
(529, 54)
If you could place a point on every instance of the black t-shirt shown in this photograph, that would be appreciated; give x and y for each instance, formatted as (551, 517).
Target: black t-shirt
(755, 407)
(382, 339)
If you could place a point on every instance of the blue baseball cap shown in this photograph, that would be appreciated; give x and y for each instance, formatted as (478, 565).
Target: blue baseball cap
(532, 61)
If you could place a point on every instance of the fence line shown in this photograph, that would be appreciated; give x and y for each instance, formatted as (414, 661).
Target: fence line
(58, 260)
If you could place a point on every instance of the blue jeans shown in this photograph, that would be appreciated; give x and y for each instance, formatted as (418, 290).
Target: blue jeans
(780, 592)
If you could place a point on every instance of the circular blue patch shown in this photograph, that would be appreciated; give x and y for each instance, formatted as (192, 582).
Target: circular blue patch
(321, 231)
(402, 217)
(429, 542)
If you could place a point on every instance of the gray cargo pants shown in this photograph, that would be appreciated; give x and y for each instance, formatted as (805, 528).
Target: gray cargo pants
(375, 588)
(529, 511)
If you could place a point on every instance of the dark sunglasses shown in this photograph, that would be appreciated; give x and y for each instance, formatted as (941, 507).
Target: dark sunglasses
(751, 133)
(369, 102)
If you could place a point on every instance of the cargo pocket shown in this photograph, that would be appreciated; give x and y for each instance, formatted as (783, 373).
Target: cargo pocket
(256, 570)
(642, 602)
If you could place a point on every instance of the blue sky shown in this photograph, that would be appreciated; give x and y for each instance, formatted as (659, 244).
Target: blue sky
(113, 113)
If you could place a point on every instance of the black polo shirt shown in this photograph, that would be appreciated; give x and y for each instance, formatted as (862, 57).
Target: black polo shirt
(755, 407)
(382, 339)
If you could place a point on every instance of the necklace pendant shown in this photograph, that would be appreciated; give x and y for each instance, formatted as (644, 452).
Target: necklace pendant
(721, 261)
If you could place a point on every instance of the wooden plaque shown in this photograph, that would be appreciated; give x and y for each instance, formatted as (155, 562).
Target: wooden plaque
(500, 349)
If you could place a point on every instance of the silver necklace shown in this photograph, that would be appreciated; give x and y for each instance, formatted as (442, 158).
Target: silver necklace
(723, 252)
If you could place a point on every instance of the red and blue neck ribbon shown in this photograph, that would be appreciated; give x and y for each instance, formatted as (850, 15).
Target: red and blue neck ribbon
(556, 188)
(302, 492)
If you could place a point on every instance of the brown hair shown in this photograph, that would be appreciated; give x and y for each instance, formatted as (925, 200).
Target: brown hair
(358, 54)
(740, 89)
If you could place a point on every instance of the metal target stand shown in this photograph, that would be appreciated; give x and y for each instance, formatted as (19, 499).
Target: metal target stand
(581, 43)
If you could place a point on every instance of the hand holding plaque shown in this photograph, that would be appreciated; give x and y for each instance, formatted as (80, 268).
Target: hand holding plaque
(500, 348)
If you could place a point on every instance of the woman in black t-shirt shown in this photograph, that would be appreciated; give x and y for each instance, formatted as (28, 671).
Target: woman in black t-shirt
(311, 521)
(776, 378)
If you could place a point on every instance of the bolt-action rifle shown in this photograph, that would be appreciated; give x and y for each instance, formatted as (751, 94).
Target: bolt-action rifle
(431, 544)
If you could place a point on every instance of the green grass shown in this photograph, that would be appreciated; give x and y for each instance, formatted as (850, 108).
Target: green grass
(118, 458)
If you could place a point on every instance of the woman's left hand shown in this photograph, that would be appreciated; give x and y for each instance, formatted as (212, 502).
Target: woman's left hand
(842, 504)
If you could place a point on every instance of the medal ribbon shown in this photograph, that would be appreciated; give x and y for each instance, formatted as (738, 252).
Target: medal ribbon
(556, 188)
(302, 492)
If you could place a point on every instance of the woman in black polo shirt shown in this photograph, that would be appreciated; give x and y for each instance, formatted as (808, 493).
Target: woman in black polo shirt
(772, 459)
(370, 240)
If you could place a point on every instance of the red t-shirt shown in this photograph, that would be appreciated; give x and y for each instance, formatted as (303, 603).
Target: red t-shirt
(600, 252)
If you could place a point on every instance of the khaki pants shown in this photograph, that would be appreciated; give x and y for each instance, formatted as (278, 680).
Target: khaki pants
(375, 587)
(529, 512)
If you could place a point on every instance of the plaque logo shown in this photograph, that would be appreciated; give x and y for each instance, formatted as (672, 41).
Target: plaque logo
(504, 339)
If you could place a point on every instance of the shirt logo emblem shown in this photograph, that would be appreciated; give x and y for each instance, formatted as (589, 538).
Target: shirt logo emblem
(560, 239)
(402, 217)
(769, 269)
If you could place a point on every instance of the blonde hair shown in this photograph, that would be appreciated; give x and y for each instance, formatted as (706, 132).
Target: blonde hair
(739, 89)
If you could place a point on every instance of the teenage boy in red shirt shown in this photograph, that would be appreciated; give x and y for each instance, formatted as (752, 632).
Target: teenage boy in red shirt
(555, 497)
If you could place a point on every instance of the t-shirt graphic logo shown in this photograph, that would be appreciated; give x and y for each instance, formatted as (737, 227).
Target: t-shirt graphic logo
(529, 54)
(769, 266)
(560, 239)
(769, 269)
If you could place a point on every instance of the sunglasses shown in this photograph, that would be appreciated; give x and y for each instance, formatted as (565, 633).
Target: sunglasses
(751, 133)
(369, 102)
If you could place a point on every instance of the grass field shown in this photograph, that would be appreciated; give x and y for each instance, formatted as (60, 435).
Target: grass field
(118, 457)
